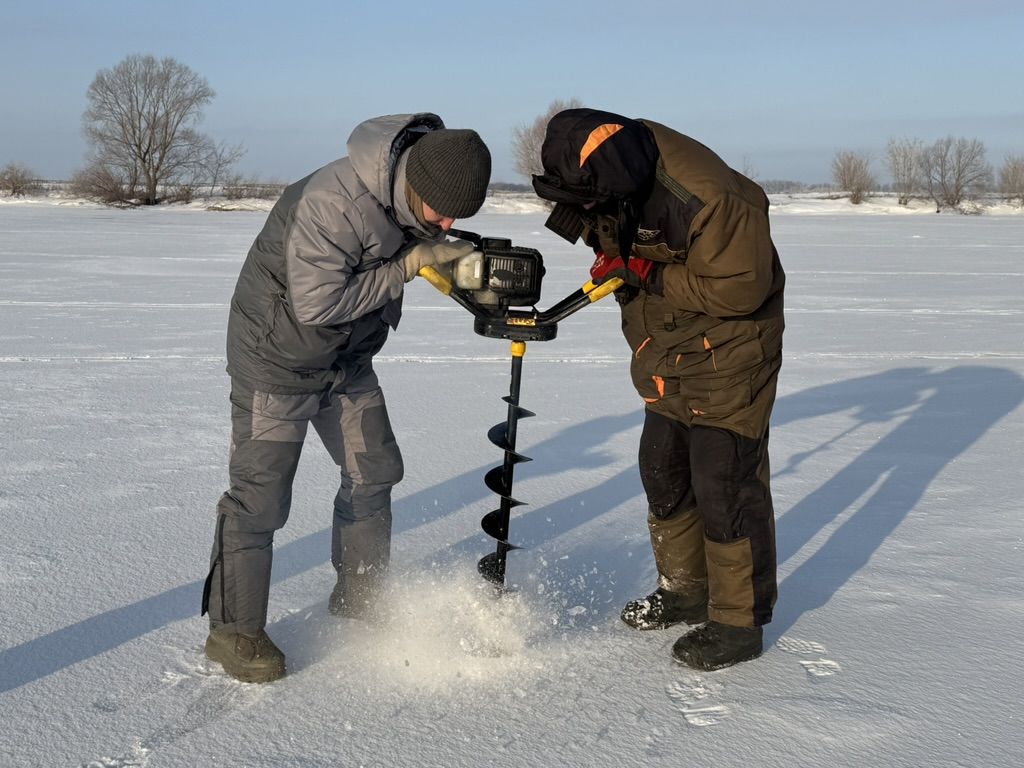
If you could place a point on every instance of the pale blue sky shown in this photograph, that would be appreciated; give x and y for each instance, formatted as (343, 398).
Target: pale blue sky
(778, 87)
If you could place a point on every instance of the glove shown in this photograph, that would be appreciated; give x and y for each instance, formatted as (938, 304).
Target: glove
(643, 274)
(428, 254)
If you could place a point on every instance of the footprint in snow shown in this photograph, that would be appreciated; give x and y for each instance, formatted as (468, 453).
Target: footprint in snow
(821, 667)
(692, 701)
(818, 668)
(799, 647)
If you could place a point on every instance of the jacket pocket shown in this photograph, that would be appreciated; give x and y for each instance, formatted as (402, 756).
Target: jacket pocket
(733, 346)
(716, 399)
(301, 348)
(650, 374)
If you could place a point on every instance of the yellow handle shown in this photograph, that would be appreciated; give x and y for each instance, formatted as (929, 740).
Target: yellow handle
(598, 292)
(436, 279)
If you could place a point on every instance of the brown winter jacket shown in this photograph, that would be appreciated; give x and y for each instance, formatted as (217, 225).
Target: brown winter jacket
(709, 350)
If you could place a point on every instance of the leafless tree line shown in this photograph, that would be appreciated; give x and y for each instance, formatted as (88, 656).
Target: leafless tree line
(142, 117)
(950, 172)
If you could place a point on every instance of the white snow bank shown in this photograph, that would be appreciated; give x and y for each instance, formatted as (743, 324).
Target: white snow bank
(806, 203)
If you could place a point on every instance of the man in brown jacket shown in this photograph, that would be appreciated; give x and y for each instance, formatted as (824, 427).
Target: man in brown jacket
(702, 311)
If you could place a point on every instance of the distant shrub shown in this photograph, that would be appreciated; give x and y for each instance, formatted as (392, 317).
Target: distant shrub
(180, 193)
(1011, 179)
(18, 180)
(505, 186)
(236, 188)
(103, 183)
(851, 172)
(783, 186)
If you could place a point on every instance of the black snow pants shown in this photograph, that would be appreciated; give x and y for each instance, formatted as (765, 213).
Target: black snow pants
(710, 516)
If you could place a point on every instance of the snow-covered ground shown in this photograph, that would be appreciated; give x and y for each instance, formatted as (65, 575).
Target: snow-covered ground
(896, 458)
(526, 202)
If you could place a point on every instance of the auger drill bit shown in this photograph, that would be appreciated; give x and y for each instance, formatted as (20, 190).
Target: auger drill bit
(515, 275)
(499, 479)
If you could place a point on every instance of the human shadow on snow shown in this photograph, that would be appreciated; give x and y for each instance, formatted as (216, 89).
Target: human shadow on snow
(938, 415)
(927, 418)
(931, 417)
(42, 656)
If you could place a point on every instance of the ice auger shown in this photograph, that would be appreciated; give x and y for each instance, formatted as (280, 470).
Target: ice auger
(488, 283)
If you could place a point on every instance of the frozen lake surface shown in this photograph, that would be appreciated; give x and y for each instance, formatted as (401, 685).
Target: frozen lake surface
(897, 483)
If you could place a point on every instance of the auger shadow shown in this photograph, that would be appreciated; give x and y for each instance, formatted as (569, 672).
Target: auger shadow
(35, 659)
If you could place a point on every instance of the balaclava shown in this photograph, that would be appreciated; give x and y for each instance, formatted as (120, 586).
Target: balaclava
(597, 158)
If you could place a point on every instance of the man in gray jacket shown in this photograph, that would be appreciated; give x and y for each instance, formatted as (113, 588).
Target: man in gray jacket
(319, 291)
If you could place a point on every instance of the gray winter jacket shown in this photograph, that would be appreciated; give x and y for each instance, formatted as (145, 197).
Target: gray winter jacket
(321, 287)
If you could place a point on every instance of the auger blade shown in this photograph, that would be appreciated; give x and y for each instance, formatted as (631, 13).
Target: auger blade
(495, 525)
(491, 569)
(499, 479)
(495, 480)
(498, 434)
(520, 412)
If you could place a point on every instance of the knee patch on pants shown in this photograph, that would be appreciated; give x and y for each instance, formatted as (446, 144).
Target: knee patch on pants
(664, 461)
(357, 433)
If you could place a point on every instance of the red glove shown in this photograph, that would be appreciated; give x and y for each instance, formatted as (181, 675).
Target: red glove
(639, 273)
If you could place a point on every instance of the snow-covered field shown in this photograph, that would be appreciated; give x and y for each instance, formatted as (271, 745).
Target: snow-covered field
(897, 482)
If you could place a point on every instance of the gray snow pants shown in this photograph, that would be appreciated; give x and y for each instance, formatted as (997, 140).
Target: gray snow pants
(267, 433)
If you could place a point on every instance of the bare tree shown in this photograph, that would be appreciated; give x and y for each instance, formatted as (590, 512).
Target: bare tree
(140, 122)
(748, 168)
(904, 158)
(528, 138)
(851, 172)
(955, 169)
(1011, 178)
(17, 180)
(218, 160)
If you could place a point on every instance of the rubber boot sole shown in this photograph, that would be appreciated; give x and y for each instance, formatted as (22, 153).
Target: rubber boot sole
(644, 626)
(706, 666)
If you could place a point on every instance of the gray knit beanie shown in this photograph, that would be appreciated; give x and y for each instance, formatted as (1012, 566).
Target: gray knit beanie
(449, 168)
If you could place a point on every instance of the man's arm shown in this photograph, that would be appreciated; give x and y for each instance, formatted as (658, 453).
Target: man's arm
(728, 270)
(324, 244)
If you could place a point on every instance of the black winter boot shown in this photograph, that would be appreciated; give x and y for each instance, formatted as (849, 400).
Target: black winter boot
(662, 609)
(717, 645)
(249, 658)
